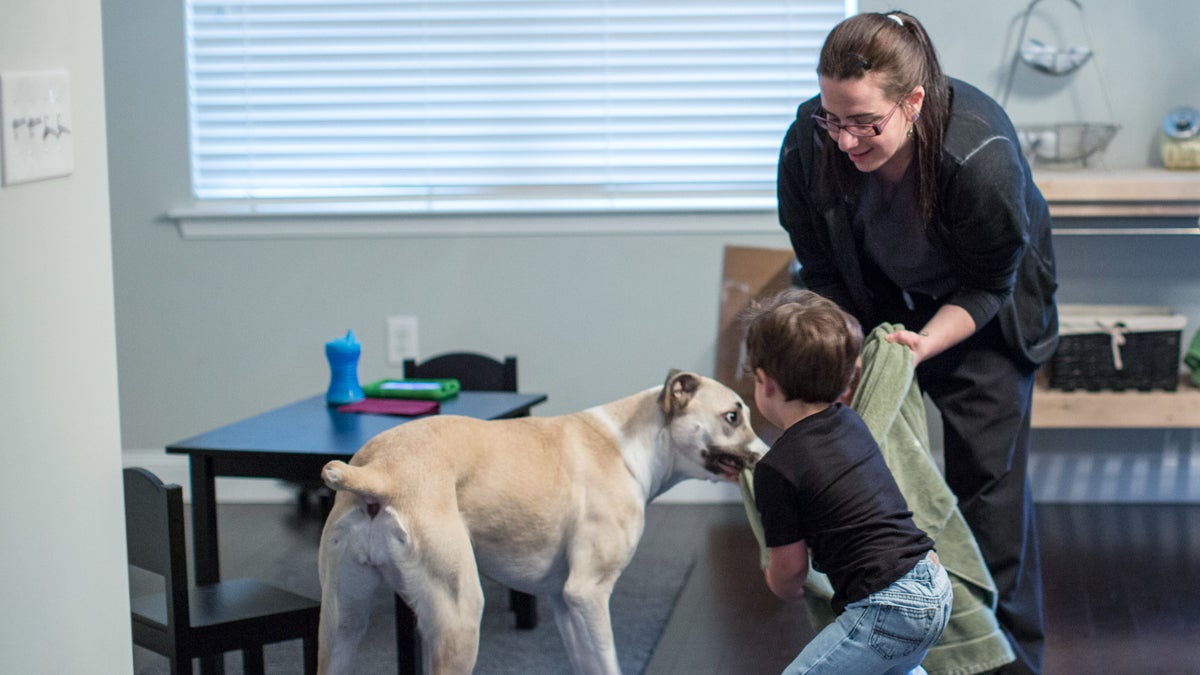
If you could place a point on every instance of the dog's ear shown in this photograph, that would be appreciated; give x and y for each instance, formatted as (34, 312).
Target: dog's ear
(678, 391)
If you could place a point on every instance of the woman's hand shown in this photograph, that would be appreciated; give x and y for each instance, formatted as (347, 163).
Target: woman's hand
(950, 326)
(913, 340)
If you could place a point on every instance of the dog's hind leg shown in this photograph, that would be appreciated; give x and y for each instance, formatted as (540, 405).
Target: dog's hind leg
(347, 588)
(583, 621)
(442, 586)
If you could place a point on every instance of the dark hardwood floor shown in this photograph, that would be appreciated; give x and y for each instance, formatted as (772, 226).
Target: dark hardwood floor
(1122, 586)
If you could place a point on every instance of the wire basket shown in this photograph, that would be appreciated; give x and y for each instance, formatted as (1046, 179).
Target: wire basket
(1065, 142)
(1116, 347)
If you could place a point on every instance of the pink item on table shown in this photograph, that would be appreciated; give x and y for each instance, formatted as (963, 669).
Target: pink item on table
(391, 406)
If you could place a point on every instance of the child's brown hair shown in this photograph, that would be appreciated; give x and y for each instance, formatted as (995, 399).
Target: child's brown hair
(805, 342)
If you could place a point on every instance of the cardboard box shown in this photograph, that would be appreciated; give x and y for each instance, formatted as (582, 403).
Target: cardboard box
(748, 274)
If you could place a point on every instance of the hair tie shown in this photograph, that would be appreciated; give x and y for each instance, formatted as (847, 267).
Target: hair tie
(897, 19)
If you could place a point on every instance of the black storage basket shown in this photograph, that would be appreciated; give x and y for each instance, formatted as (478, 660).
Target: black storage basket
(1115, 348)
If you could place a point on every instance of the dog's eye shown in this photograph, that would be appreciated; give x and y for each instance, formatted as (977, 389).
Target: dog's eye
(732, 417)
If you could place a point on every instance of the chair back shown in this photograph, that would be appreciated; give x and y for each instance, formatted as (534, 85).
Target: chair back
(154, 536)
(475, 372)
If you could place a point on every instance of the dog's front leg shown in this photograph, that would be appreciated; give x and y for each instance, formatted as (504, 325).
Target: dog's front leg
(583, 621)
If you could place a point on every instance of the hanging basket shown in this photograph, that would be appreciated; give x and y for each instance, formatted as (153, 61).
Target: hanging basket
(1065, 142)
(1062, 142)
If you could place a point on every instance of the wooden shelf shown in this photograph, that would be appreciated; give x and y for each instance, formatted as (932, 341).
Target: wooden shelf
(1089, 193)
(1053, 409)
(1131, 193)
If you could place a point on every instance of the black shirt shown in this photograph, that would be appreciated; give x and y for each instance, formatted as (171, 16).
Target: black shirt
(889, 231)
(825, 481)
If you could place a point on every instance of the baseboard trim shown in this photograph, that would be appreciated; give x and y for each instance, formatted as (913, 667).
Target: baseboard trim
(701, 492)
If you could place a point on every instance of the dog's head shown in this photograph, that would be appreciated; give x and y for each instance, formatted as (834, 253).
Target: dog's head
(709, 428)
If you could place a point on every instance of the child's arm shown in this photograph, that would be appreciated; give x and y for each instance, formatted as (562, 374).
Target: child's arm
(787, 570)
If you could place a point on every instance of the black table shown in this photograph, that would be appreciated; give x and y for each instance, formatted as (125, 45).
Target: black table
(293, 443)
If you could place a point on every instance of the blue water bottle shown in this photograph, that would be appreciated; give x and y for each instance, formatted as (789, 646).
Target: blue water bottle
(343, 370)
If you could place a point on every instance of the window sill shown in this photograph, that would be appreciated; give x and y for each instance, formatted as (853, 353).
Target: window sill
(1146, 194)
(385, 219)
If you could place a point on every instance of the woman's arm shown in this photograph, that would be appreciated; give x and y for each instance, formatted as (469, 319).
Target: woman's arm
(788, 570)
(983, 228)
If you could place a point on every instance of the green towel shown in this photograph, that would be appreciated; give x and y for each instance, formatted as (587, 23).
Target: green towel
(1192, 358)
(890, 402)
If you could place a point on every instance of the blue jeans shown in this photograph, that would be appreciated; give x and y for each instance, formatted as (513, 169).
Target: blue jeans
(888, 633)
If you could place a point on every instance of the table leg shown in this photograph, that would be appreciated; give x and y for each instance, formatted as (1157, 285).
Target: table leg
(408, 640)
(205, 554)
(205, 544)
(524, 606)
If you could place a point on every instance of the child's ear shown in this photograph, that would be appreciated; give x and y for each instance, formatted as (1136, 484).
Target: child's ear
(848, 395)
(770, 386)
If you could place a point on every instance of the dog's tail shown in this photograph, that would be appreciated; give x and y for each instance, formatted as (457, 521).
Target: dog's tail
(360, 480)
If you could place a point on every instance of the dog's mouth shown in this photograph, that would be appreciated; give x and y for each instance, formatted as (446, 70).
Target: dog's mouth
(725, 463)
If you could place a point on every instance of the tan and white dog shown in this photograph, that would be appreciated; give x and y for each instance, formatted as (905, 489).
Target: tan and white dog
(552, 506)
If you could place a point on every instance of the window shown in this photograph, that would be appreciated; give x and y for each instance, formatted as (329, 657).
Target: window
(453, 106)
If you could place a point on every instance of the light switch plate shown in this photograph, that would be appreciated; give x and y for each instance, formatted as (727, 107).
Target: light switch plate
(401, 339)
(36, 138)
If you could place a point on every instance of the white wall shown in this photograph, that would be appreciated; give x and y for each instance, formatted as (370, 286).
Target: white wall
(63, 588)
(210, 331)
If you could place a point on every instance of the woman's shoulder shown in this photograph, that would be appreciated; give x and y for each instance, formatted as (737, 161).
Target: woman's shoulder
(976, 122)
(979, 131)
(803, 123)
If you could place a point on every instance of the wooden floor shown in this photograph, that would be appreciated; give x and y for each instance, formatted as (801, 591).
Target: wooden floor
(1121, 583)
(1122, 586)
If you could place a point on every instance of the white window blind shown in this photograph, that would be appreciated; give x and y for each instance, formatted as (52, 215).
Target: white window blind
(445, 105)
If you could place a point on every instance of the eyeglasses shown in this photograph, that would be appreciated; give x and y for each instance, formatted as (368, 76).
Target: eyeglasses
(863, 130)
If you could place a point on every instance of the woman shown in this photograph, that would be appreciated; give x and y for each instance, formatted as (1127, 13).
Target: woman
(907, 200)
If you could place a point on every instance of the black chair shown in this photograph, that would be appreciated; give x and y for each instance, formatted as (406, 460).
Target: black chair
(183, 622)
(477, 372)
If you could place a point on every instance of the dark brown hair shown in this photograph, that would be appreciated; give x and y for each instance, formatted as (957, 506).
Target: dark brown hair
(896, 47)
(804, 342)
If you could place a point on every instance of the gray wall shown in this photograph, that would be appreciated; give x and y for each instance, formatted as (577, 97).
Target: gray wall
(209, 331)
(64, 605)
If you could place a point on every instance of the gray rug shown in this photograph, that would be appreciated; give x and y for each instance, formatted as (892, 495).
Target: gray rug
(641, 604)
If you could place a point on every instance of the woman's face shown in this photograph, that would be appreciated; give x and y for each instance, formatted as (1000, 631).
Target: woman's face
(862, 101)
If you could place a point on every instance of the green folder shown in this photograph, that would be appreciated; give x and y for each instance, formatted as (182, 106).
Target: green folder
(433, 389)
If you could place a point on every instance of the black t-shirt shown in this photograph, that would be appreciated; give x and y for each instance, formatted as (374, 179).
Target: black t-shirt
(825, 481)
